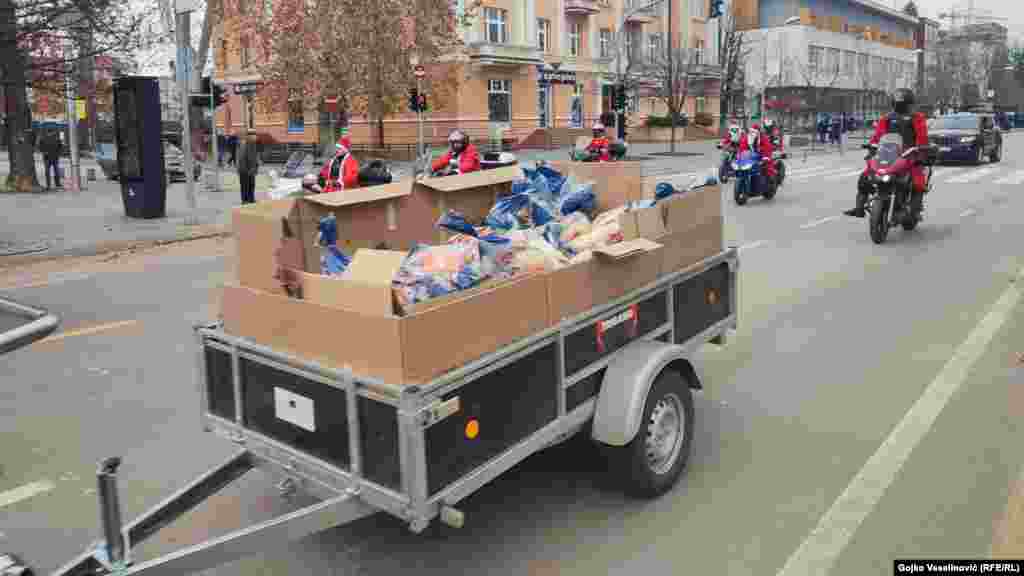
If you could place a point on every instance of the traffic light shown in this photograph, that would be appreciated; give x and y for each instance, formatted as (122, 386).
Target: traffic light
(202, 100)
(620, 97)
(220, 95)
(414, 100)
(717, 10)
(423, 103)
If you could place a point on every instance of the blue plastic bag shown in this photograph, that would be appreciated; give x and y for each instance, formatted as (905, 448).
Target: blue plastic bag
(663, 190)
(456, 222)
(551, 177)
(328, 228)
(518, 210)
(332, 260)
(582, 199)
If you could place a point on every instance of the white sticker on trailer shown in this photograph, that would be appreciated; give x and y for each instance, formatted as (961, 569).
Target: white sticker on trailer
(294, 409)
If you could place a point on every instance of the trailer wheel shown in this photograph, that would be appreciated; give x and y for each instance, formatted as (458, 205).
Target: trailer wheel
(653, 461)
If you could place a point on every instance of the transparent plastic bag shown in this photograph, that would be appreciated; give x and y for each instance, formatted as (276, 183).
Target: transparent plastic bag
(431, 271)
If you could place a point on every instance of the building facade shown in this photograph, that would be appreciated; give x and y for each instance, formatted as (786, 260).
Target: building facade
(527, 65)
(810, 57)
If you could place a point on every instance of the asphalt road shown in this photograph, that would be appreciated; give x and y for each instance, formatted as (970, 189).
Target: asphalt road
(869, 407)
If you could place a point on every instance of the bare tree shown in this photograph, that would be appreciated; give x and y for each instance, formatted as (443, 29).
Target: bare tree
(42, 42)
(817, 78)
(674, 71)
(625, 53)
(734, 49)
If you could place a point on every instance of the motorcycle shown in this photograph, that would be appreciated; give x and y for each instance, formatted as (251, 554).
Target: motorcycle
(725, 170)
(890, 185)
(750, 180)
(616, 150)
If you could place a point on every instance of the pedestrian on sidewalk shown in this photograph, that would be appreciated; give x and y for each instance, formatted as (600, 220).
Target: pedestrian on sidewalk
(51, 148)
(248, 166)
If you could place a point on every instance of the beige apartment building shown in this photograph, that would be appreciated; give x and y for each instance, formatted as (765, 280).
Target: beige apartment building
(528, 66)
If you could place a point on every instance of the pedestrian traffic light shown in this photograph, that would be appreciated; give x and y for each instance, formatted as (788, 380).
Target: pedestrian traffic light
(414, 100)
(717, 8)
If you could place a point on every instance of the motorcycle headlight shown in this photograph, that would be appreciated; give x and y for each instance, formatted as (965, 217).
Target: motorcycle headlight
(886, 178)
(735, 166)
(967, 139)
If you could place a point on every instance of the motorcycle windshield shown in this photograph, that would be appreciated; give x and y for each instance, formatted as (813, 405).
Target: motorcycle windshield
(889, 149)
(747, 158)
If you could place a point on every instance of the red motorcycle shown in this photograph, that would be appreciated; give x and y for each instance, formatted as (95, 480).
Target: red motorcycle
(890, 184)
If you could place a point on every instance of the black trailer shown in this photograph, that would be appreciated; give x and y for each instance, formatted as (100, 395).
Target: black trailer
(622, 371)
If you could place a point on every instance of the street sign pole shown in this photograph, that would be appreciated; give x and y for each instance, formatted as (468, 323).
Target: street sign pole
(421, 151)
(183, 69)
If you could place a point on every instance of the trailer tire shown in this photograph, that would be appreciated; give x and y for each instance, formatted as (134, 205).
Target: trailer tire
(648, 468)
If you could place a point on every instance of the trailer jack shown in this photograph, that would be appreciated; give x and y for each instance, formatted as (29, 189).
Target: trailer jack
(112, 556)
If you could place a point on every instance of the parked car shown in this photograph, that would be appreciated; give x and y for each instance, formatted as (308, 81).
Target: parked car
(174, 162)
(966, 136)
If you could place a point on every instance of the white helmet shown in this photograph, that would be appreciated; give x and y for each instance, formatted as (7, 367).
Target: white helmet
(734, 132)
(752, 135)
(598, 127)
(769, 124)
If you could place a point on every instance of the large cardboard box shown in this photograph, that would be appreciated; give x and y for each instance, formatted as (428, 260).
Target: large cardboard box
(472, 194)
(615, 183)
(403, 350)
(260, 230)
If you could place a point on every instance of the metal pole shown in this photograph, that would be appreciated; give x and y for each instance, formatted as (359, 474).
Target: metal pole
(110, 509)
(214, 158)
(183, 68)
(72, 105)
(419, 123)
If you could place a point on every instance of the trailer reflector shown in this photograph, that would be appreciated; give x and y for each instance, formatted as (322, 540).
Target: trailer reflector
(472, 429)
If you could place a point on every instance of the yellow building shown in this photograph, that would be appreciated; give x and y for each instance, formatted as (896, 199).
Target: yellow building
(528, 66)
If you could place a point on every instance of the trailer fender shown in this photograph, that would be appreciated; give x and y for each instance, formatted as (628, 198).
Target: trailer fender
(627, 381)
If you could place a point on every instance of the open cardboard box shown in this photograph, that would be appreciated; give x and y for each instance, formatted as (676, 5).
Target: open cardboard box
(615, 183)
(351, 321)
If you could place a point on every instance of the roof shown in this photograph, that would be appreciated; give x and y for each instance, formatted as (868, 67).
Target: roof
(883, 9)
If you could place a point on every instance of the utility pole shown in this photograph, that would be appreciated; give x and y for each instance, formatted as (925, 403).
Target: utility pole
(71, 102)
(183, 9)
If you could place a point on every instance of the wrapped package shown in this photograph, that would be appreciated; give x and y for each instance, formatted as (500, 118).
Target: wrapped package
(332, 260)
(539, 256)
(575, 225)
(517, 211)
(580, 199)
(497, 255)
(431, 271)
(456, 222)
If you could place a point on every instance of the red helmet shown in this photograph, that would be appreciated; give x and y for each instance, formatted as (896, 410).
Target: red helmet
(344, 145)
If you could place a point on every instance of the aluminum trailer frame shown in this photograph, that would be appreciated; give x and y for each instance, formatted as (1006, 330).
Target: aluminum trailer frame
(37, 325)
(349, 494)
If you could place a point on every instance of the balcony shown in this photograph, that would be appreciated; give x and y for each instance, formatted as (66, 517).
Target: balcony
(582, 7)
(491, 54)
(642, 16)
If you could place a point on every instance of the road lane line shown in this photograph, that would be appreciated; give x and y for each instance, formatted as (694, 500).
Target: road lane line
(751, 245)
(967, 213)
(55, 279)
(25, 492)
(819, 222)
(86, 331)
(826, 542)
(972, 175)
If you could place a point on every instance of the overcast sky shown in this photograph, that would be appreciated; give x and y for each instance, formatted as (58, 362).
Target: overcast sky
(1012, 10)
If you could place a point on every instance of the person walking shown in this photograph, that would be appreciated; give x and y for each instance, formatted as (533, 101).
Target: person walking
(51, 148)
(248, 165)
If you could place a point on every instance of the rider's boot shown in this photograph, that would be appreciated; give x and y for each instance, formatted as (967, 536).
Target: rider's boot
(858, 211)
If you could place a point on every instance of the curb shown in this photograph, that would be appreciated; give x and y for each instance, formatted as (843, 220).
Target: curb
(8, 262)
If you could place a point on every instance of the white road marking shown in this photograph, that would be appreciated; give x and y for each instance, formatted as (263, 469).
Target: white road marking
(826, 542)
(750, 245)
(819, 222)
(25, 492)
(825, 171)
(967, 213)
(972, 175)
(1015, 178)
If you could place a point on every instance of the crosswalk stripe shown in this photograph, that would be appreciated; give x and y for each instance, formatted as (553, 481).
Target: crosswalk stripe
(1015, 178)
(971, 176)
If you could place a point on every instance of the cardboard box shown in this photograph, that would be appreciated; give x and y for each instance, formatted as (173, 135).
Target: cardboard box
(366, 285)
(615, 183)
(412, 349)
(260, 231)
(472, 194)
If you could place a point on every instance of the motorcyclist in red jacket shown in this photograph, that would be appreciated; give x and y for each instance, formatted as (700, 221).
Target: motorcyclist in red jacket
(772, 130)
(763, 146)
(342, 171)
(913, 127)
(599, 144)
(461, 155)
(732, 138)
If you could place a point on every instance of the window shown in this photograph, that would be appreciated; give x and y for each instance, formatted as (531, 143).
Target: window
(245, 51)
(699, 103)
(499, 100)
(606, 42)
(653, 47)
(698, 52)
(543, 34)
(268, 9)
(862, 66)
(832, 65)
(848, 63)
(574, 39)
(814, 56)
(629, 45)
(544, 105)
(698, 8)
(296, 115)
(496, 25)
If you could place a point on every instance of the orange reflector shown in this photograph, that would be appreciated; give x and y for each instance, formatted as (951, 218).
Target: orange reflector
(472, 429)
(712, 297)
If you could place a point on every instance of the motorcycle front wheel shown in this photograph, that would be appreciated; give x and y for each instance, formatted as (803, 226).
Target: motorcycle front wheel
(878, 223)
(740, 191)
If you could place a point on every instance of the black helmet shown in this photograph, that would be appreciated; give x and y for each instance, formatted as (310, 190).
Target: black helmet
(902, 101)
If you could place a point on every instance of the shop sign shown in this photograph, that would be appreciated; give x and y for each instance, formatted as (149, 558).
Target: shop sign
(552, 76)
